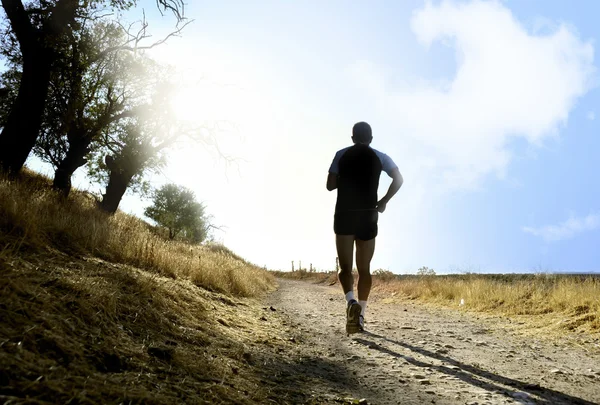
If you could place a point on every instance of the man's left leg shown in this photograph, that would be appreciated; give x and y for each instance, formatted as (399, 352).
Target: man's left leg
(364, 254)
(345, 249)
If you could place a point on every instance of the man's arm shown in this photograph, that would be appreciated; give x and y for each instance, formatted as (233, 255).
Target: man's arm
(332, 181)
(397, 181)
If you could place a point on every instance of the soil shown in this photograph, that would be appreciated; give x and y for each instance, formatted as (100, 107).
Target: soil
(415, 354)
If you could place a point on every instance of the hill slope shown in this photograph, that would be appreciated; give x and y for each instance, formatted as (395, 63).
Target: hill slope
(99, 309)
(83, 330)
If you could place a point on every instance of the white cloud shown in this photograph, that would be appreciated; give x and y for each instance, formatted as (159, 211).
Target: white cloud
(591, 115)
(566, 230)
(508, 83)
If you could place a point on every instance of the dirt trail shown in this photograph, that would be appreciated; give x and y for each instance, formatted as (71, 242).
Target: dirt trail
(417, 355)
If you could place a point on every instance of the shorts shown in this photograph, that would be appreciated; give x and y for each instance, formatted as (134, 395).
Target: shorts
(361, 224)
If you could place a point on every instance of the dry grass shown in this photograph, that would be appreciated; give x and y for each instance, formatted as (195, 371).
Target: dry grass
(99, 309)
(329, 277)
(86, 331)
(33, 217)
(574, 299)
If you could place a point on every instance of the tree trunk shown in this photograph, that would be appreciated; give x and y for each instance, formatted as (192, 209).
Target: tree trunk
(25, 118)
(117, 185)
(74, 159)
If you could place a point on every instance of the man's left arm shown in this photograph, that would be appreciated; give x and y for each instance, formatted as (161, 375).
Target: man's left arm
(392, 170)
(397, 181)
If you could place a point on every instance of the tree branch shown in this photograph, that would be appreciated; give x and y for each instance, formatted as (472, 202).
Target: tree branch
(63, 16)
(137, 38)
(177, 7)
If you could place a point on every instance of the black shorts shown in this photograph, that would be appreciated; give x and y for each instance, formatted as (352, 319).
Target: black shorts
(362, 224)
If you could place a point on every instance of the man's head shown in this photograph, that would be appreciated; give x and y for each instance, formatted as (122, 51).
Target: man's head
(361, 133)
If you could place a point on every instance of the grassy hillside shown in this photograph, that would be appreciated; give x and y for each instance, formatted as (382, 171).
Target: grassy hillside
(98, 309)
(33, 218)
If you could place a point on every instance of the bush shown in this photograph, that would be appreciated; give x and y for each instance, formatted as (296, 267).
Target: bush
(384, 275)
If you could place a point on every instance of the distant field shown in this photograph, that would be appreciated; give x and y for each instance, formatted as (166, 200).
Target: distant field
(316, 276)
(567, 301)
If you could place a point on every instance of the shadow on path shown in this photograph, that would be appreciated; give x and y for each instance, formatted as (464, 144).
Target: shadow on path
(310, 380)
(477, 376)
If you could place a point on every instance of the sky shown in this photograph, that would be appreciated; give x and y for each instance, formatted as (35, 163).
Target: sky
(489, 109)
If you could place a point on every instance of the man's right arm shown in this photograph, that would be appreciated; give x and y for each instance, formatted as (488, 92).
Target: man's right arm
(334, 170)
(332, 181)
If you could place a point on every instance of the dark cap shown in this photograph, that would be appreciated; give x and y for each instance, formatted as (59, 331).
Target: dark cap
(361, 132)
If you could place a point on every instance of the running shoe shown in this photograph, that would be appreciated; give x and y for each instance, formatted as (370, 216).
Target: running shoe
(353, 311)
(361, 323)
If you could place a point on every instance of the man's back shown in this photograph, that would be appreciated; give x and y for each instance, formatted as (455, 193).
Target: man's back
(358, 168)
(359, 171)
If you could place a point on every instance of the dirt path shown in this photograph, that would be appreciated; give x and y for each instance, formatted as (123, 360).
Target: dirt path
(416, 355)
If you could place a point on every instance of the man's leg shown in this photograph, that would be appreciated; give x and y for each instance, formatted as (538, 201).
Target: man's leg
(364, 254)
(345, 250)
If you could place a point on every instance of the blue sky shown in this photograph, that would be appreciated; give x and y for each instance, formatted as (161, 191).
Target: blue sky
(490, 110)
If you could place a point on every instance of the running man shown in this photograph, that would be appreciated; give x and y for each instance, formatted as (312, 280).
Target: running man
(355, 172)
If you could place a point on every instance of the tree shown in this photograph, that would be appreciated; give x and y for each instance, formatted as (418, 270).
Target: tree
(426, 271)
(136, 145)
(36, 33)
(175, 208)
(86, 95)
(133, 146)
(101, 78)
(96, 87)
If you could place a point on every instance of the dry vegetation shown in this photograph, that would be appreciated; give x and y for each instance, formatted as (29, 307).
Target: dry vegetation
(33, 217)
(98, 309)
(544, 298)
(86, 331)
(329, 277)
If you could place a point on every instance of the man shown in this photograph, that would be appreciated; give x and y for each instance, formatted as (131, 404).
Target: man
(355, 173)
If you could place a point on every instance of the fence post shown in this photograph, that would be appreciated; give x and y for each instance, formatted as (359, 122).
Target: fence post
(300, 265)
(292, 266)
(337, 264)
(311, 267)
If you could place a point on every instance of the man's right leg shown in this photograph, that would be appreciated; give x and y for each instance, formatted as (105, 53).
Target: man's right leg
(345, 251)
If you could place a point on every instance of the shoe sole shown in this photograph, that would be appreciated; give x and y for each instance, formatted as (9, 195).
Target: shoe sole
(353, 319)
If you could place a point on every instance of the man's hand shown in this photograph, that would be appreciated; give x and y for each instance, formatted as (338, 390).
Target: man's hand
(381, 206)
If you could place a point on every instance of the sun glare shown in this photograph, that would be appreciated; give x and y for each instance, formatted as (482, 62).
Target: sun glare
(206, 102)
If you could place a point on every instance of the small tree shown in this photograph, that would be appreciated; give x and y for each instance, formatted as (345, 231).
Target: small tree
(175, 207)
(426, 271)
